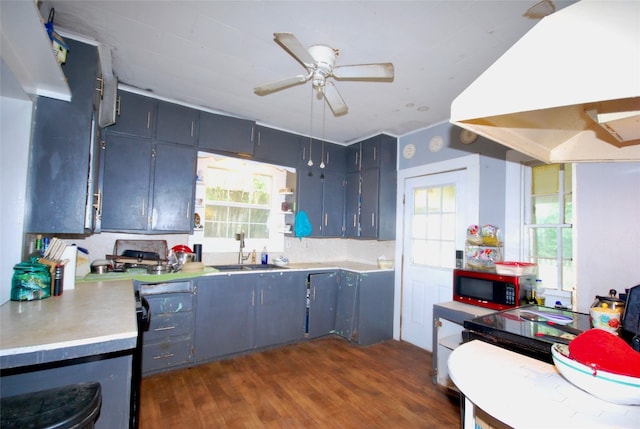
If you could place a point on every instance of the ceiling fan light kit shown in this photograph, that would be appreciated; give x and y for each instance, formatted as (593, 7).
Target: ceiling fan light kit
(319, 61)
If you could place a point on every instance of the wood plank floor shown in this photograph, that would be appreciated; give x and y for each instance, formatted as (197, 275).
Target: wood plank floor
(324, 383)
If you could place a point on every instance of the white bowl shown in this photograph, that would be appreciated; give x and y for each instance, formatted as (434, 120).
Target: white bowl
(615, 388)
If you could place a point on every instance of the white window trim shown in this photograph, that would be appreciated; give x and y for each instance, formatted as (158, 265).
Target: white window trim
(516, 238)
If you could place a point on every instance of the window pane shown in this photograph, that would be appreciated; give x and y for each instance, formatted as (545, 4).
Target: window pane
(259, 231)
(567, 244)
(215, 213)
(433, 227)
(420, 201)
(449, 199)
(544, 243)
(449, 228)
(419, 226)
(567, 276)
(568, 208)
(545, 209)
(434, 200)
(419, 252)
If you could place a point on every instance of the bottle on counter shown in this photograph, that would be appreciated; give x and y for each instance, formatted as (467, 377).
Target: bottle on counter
(539, 290)
(264, 256)
(254, 258)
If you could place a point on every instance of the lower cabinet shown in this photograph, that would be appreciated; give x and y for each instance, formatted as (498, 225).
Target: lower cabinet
(364, 313)
(240, 312)
(169, 340)
(322, 299)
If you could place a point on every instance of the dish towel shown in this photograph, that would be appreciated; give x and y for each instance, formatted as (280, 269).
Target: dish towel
(302, 225)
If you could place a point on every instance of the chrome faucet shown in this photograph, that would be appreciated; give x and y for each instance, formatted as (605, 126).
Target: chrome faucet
(241, 257)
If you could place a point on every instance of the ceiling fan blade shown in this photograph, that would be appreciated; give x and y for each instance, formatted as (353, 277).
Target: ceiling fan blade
(269, 88)
(292, 45)
(334, 99)
(381, 71)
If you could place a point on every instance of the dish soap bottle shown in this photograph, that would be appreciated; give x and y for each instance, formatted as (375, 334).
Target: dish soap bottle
(264, 256)
(253, 257)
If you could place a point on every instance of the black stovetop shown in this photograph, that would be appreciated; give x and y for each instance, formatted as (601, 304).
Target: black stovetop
(511, 329)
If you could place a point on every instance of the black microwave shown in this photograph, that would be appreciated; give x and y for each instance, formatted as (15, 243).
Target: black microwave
(491, 290)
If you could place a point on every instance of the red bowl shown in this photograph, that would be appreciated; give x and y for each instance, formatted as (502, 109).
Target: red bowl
(181, 248)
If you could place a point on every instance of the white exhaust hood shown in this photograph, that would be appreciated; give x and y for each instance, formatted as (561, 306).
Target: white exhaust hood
(568, 91)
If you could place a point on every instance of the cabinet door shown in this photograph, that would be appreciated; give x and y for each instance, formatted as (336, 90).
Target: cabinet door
(60, 153)
(346, 304)
(225, 315)
(369, 205)
(352, 205)
(280, 308)
(309, 193)
(277, 146)
(173, 189)
(335, 157)
(323, 291)
(126, 174)
(370, 153)
(225, 134)
(375, 308)
(175, 123)
(134, 114)
(333, 204)
(352, 158)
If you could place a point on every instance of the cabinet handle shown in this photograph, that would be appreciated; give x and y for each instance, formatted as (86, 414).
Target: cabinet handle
(375, 152)
(167, 328)
(314, 293)
(100, 89)
(354, 220)
(328, 162)
(304, 153)
(191, 128)
(253, 130)
(373, 219)
(259, 138)
(253, 298)
(261, 296)
(118, 106)
(357, 157)
(326, 219)
(188, 209)
(148, 120)
(144, 201)
(164, 356)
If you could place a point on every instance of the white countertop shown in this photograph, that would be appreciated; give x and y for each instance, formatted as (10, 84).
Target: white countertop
(93, 318)
(527, 393)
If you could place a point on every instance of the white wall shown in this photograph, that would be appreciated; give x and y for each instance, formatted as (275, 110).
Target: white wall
(607, 227)
(15, 135)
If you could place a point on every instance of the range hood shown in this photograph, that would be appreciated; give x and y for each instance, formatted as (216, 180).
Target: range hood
(568, 91)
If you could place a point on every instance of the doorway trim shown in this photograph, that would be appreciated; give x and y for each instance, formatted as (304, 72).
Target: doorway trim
(471, 164)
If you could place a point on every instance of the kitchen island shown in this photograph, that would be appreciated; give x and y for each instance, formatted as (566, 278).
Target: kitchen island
(523, 392)
(88, 333)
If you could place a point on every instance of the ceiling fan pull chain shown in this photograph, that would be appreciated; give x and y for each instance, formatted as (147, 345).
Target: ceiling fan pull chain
(324, 111)
(310, 163)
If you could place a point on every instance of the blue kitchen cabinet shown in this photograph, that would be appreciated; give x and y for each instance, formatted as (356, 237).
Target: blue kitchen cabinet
(373, 201)
(146, 186)
(225, 315)
(276, 146)
(240, 312)
(176, 123)
(364, 309)
(169, 341)
(173, 188)
(219, 133)
(125, 170)
(135, 115)
(334, 157)
(62, 166)
(280, 308)
(321, 195)
(323, 291)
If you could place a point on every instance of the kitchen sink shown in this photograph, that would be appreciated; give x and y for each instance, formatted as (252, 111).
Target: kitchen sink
(247, 267)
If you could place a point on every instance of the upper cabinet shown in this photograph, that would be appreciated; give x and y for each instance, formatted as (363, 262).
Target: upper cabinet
(176, 124)
(277, 147)
(225, 134)
(135, 115)
(61, 165)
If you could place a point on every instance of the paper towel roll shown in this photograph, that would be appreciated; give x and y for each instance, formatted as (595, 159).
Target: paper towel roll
(69, 255)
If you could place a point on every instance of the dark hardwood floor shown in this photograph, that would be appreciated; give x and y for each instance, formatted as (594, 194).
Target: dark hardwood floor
(323, 383)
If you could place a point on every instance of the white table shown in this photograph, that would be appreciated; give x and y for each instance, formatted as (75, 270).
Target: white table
(527, 393)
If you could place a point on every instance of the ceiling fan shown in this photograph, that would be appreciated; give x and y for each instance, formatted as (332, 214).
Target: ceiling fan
(319, 61)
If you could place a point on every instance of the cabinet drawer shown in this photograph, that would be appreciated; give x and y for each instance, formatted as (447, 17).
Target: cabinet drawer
(170, 303)
(166, 354)
(166, 325)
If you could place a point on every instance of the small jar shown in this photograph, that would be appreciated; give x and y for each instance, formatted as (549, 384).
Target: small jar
(31, 280)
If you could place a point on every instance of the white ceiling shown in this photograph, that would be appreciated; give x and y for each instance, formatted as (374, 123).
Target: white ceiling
(213, 53)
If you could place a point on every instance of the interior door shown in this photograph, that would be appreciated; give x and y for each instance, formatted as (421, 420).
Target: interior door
(434, 229)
